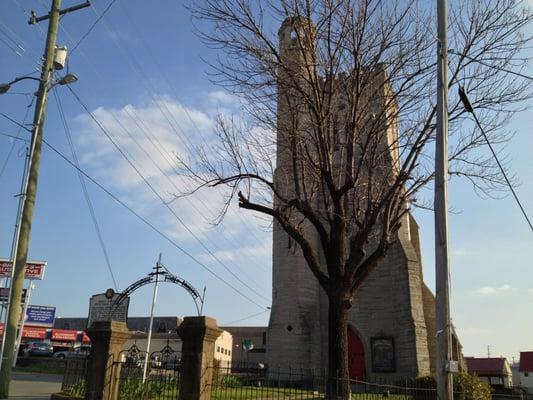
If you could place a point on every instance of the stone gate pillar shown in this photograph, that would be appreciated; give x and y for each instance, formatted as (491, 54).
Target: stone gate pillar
(103, 369)
(198, 349)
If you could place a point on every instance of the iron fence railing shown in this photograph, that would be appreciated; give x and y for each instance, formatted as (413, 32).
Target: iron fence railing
(161, 381)
(250, 382)
(257, 383)
(74, 379)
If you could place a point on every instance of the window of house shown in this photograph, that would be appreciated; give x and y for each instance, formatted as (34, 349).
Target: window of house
(264, 338)
(526, 374)
(218, 349)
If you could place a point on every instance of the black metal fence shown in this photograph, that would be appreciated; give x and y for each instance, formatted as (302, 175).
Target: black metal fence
(239, 381)
(74, 379)
(158, 381)
(235, 381)
(256, 383)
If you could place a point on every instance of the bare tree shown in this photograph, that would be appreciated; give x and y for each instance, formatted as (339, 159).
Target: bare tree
(336, 139)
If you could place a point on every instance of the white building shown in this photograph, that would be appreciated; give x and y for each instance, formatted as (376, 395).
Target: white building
(525, 371)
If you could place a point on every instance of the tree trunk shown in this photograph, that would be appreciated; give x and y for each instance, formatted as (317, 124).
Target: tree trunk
(338, 386)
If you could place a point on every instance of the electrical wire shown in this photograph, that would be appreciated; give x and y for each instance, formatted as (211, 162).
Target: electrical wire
(158, 195)
(13, 137)
(169, 117)
(21, 126)
(160, 148)
(170, 85)
(491, 66)
(14, 122)
(92, 26)
(149, 224)
(84, 189)
(245, 318)
(470, 109)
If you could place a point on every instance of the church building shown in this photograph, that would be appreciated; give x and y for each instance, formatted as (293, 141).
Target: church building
(391, 333)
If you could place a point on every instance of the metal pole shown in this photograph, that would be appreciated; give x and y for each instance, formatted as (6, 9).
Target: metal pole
(24, 311)
(19, 267)
(154, 299)
(14, 245)
(444, 377)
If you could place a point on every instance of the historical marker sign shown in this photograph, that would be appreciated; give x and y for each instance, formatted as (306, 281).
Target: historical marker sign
(103, 307)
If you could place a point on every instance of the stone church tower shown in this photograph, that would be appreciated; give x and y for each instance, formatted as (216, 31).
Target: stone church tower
(391, 324)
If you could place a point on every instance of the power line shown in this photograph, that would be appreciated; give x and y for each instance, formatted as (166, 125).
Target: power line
(492, 66)
(92, 26)
(13, 121)
(21, 126)
(84, 189)
(149, 224)
(164, 110)
(173, 123)
(165, 204)
(245, 318)
(470, 109)
(12, 137)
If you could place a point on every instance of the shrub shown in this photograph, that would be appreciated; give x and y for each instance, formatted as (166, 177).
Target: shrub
(470, 387)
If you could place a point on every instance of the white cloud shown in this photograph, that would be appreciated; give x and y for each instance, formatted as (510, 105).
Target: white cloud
(489, 290)
(151, 135)
(220, 97)
(257, 251)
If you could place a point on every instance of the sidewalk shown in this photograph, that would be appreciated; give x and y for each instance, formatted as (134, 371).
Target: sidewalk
(30, 386)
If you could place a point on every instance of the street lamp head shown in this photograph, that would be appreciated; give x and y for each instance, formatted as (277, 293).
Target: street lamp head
(67, 79)
(4, 87)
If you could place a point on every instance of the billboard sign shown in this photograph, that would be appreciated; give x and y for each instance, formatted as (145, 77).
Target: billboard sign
(30, 332)
(34, 269)
(40, 316)
(102, 307)
(4, 295)
(64, 335)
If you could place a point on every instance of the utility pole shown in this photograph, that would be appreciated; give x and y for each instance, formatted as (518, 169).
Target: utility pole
(444, 338)
(156, 273)
(29, 194)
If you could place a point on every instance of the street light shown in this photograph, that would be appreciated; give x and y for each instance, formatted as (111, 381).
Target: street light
(66, 80)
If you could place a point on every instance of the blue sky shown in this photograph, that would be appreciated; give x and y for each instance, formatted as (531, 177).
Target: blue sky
(142, 66)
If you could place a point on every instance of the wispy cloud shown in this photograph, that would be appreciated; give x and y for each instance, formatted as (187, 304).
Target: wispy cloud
(152, 136)
(490, 290)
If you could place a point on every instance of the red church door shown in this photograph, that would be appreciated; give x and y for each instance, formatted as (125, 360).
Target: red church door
(356, 356)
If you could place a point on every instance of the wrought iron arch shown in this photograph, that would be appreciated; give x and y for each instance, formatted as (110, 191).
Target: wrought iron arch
(167, 277)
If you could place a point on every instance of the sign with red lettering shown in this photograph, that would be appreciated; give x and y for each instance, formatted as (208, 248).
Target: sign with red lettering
(31, 332)
(34, 269)
(63, 334)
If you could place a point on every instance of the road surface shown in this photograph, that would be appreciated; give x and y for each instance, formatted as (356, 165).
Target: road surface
(29, 386)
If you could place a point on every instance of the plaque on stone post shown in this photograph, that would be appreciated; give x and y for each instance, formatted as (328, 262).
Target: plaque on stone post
(106, 307)
(107, 328)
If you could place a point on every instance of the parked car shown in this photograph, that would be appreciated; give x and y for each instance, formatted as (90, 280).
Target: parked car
(39, 349)
(77, 352)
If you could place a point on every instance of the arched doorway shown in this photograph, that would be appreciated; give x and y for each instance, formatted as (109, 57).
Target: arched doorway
(356, 356)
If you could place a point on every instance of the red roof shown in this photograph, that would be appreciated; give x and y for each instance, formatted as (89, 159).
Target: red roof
(526, 361)
(482, 366)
